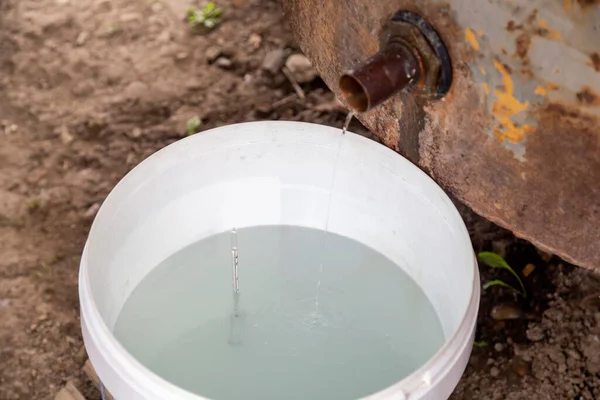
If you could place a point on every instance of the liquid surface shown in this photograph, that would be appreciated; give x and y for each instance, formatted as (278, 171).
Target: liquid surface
(320, 317)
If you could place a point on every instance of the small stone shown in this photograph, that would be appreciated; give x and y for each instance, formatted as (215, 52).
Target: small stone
(254, 41)
(164, 37)
(42, 317)
(64, 135)
(129, 17)
(505, 312)
(156, 6)
(92, 210)
(535, 333)
(263, 109)
(494, 372)
(182, 55)
(136, 133)
(135, 90)
(273, 61)
(82, 89)
(130, 159)
(520, 366)
(490, 361)
(212, 53)
(223, 62)
(82, 38)
(498, 347)
(300, 68)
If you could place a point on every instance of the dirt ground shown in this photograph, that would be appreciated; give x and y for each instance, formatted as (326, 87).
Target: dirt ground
(89, 88)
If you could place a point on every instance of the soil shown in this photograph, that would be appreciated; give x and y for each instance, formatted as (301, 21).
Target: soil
(89, 88)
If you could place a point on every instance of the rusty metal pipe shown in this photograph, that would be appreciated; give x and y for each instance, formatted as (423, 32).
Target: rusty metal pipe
(380, 77)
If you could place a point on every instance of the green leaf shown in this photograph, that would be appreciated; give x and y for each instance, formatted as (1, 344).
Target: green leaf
(216, 13)
(209, 7)
(492, 260)
(193, 124)
(498, 282)
(495, 261)
(480, 344)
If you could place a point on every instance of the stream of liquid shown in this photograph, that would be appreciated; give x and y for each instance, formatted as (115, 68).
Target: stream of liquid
(374, 324)
(347, 121)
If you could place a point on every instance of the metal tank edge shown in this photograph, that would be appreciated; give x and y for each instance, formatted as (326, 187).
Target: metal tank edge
(517, 137)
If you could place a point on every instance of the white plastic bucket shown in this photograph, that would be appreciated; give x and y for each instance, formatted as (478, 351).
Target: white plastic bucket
(266, 173)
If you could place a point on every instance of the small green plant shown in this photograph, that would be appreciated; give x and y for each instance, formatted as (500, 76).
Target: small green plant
(193, 124)
(494, 260)
(480, 344)
(209, 16)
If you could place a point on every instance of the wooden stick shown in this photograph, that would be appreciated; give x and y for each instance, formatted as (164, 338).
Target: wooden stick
(89, 370)
(69, 392)
(295, 85)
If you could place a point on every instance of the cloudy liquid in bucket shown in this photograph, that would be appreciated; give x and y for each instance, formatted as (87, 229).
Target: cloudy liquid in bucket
(320, 317)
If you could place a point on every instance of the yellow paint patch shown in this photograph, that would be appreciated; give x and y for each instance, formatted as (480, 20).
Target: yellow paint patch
(480, 33)
(482, 70)
(471, 38)
(550, 33)
(486, 88)
(507, 106)
(542, 91)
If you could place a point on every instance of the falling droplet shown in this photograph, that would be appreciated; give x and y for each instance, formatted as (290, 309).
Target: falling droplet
(347, 122)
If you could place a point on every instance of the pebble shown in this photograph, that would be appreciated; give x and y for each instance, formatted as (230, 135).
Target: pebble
(92, 210)
(82, 38)
(535, 334)
(223, 62)
(273, 61)
(498, 347)
(156, 6)
(135, 133)
(182, 55)
(65, 136)
(212, 53)
(494, 372)
(520, 366)
(254, 40)
(506, 311)
(129, 17)
(300, 68)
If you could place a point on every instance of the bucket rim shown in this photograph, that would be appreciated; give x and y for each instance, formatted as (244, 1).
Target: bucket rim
(139, 382)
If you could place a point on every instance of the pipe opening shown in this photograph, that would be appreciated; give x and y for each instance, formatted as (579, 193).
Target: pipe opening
(354, 93)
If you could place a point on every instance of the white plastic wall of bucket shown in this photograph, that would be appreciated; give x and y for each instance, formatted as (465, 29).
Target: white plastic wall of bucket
(266, 173)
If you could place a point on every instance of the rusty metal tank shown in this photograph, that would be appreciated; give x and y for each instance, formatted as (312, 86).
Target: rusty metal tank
(516, 134)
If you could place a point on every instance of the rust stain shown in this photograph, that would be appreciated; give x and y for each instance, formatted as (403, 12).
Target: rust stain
(486, 88)
(595, 57)
(522, 42)
(482, 70)
(511, 26)
(507, 106)
(532, 17)
(549, 33)
(587, 97)
(471, 38)
(542, 91)
(588, 3)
